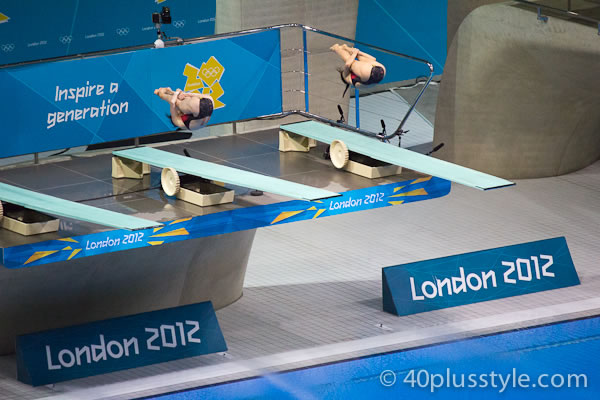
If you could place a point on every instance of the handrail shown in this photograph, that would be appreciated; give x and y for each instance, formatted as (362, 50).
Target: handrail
(172, 43)
(566, 12)
(429, 65)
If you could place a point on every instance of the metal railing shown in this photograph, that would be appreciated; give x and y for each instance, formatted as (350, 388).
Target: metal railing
(540, 7)
(306, 113)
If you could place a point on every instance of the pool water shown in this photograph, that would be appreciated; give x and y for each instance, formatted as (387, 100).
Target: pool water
(513, 365)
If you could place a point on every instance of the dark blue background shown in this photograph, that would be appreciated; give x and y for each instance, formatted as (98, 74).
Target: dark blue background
(415, 28)
(34, 21)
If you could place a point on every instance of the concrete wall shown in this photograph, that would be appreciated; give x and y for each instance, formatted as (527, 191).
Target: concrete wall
(519, 97)
(122, 283)
(325, 87)
(458, 11)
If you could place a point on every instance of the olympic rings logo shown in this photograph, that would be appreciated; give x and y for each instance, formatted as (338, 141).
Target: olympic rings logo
(179, 24)
(211, 72)
(65, 39)
(7, 48)
(122, 31)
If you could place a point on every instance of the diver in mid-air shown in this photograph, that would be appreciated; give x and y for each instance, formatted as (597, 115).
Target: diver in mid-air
(188, 110)
(359, 67)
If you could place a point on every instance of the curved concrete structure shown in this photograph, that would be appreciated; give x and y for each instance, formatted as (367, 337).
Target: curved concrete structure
(122, 283)
(519, 97)
(458, 11)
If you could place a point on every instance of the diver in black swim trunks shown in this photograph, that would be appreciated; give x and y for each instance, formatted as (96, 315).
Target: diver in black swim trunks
(359, 68)
(188, 110)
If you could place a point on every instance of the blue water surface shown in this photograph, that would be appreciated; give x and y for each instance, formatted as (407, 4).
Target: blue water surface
(496, 362)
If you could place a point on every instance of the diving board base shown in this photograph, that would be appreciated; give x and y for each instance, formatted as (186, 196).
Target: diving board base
(127, 168)
(370, 172)
(27, 222)
(202, 193)
(293, 142)
(289, 141)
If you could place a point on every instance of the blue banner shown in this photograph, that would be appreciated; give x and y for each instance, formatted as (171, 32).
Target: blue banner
(81, 102)
(224, 222)
(478, 276)
(119, 343)
(34, 30)
(415, 28)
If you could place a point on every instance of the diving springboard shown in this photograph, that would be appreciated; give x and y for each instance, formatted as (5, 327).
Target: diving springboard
(70, 209)
(398, 156)
(222, 173)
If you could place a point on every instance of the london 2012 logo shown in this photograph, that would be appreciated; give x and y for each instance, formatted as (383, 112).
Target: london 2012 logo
(206, 80)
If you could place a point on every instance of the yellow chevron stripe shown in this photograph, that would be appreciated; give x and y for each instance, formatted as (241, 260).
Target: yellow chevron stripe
(285, 215)
(396, 203)
(68, 240)
(416, 192)
(155, 243)
(321, 211)
(3, 18)
(68, 248)
(74, 253)
(176, 232)
(39, 255)
(421, 180)
(313, 208)
(399, 188)
(180, 220)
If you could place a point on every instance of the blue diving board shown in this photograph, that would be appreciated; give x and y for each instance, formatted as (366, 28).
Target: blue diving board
(395, 155)
(221, 173)
(70, 209)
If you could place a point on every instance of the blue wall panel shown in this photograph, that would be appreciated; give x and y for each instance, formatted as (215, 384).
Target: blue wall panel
(416, 28)
(34, 29)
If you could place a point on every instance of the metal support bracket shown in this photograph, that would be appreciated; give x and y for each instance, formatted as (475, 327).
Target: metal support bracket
(540, 16)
